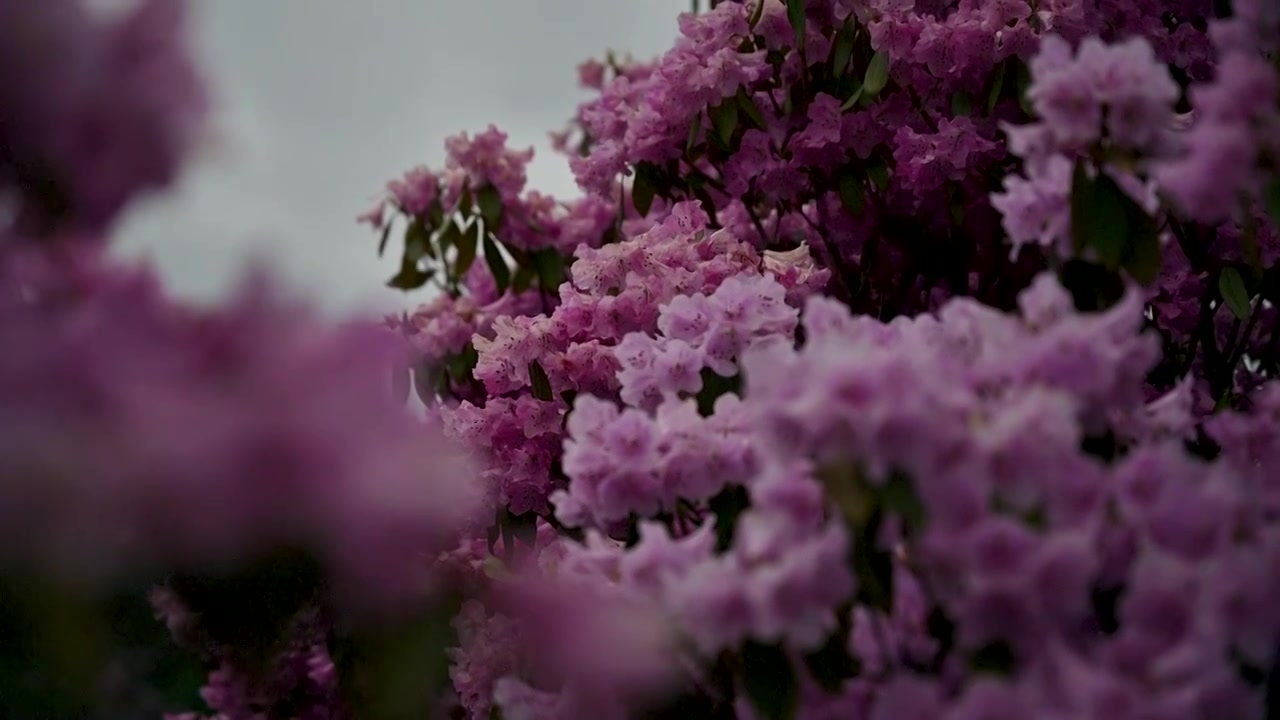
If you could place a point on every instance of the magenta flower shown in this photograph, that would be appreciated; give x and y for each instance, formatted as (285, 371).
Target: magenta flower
(141, 435)
(95, 109)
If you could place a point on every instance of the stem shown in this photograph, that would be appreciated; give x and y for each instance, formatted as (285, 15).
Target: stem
(1207, 333)
(1243, 342)
(924, 115)
(713, 183)
(1225, 379)
(837, 261)
(1273, 344)
(1192, 252)
(777, 109)
(1191, 356)
(751, 211)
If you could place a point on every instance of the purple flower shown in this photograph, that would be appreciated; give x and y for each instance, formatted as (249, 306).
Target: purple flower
(209, 436)
(95, 108)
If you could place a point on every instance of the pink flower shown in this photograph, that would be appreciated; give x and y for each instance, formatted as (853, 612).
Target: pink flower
(95, 108)
(207, 437)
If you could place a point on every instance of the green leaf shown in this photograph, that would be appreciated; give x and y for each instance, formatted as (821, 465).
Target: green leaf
(961, 104)
(873, 568)
(519, 255)
(495, 569)
(642, 189)
(503, 522)
(727, 505)
(796, 16)
(1234, 293)
(1106, 219)
(994, 658)
(490, 207)
(899, 497)
(1272, 200)
(523, 279)
(524, 527)
(1088, 228)
(448, 237)
(393, 671)
(879, 175)
(1144, 256)
(466, 241)
(548, 263)
(852, 193)
(463, 363)
(848, 489)
(832, 664)
(877, 75)
(725, 119)
(464, 202)
(843, 50)
(1225, 401)
(1269, 286)
(1093, 287)
(853, 99)
(1022, 76)
(748, 108)
(956, 201)
(861, 504)
(756, 14)
(708, 205)
(410, 277)
(417, 241)
(386, 235)
(770, 681)
(492, 535)
(541, 383)
(427, 378)
(690, 140)
(56, 644)
(497, 264)
(997, 87)
(713, 386)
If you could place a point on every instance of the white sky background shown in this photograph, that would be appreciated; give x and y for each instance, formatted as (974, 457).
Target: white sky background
(320, 102)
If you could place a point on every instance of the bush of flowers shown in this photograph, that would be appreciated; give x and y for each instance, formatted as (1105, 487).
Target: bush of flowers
(900, 359)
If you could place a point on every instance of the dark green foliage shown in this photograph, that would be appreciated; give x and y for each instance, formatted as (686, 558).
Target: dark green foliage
(770, 681)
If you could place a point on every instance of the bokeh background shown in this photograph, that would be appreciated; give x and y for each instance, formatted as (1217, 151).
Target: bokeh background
(320, 102)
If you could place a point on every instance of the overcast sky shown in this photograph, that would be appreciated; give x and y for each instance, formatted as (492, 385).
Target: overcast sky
(320, 102)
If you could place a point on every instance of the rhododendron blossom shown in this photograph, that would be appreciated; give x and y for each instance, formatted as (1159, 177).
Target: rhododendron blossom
(899, 359)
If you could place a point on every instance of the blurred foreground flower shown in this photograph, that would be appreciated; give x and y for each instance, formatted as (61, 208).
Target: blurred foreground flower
(138, 435)
(96, 107)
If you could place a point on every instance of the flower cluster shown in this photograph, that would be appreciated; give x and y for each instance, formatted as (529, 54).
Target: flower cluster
(530, 364)
(967, 485)
(1032, 546)
(1237, 121)
(645, 118)
(1116, 99)
(95, 108)
(768, 423)
(625, 462)
(202, 437)
(702, 332)
(301, 681)
(252, 455)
